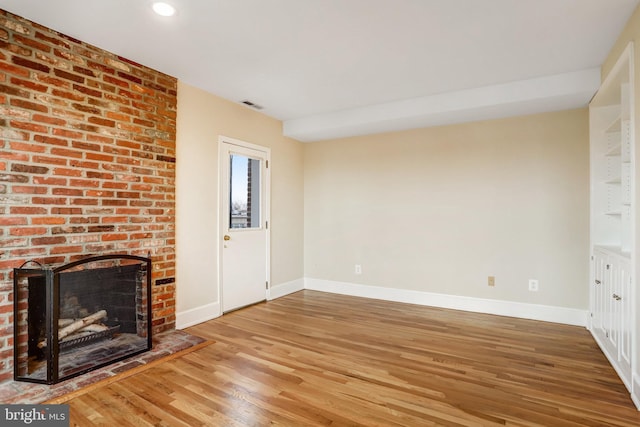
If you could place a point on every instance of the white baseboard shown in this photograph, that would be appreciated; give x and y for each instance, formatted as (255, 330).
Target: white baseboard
(191, 317)
(286, 288)
(569, 316)
(635, 393)
(546, 313)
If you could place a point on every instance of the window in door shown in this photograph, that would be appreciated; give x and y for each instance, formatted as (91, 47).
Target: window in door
(244, 203)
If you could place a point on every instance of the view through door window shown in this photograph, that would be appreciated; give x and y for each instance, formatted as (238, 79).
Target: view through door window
(244, 197)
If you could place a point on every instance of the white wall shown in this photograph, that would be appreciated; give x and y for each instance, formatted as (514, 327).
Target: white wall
(202, 117)
(439, 210)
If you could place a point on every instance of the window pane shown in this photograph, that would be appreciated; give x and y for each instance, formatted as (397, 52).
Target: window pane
(244, 197)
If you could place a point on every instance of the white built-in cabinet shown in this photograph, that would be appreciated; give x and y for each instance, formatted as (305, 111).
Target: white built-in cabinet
(612, 279)
(611, 309)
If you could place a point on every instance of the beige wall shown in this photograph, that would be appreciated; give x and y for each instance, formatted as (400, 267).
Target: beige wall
(440, 209)
(630, 33)
(435, 210)
(202, 117)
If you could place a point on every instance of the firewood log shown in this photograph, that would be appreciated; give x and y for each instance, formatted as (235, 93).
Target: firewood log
(94, 327)
(78, 325)
(65, 322)
(81, 323)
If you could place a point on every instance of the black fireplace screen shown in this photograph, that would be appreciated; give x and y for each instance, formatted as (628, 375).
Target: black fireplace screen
(80, 316)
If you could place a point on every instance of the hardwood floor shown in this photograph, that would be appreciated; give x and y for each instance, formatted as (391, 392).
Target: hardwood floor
(312, 358)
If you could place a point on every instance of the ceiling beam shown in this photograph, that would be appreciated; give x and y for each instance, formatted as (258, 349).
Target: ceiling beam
(551, 93)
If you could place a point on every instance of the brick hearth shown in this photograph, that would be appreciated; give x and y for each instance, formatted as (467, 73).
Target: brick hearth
(87, 162)
(164, 344)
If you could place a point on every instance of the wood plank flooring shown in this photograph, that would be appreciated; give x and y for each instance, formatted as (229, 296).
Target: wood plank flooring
(313, 358)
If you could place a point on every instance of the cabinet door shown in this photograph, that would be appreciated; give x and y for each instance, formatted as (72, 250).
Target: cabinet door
(600, 321)
(623, 307)
(609, 317)
(606, 310)
(613, 307)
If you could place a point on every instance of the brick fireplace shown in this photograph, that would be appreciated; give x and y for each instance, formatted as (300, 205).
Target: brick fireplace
(80, 316)
(87, 163)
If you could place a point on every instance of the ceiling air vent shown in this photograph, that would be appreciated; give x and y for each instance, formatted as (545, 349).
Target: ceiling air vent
(251, 104)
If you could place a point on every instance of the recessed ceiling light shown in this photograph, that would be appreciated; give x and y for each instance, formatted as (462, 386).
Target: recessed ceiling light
(163, 9)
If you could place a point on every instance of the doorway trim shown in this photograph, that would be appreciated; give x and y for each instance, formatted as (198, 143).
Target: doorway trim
(222, 140)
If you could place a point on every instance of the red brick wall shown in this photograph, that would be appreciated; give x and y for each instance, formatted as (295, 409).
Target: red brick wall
(87, 162)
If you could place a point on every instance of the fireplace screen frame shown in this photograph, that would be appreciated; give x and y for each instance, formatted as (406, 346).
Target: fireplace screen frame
(51, 279)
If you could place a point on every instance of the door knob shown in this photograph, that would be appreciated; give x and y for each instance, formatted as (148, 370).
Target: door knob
(227, 237)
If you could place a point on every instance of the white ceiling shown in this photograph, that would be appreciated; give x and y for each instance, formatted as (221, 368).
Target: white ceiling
(333, 68)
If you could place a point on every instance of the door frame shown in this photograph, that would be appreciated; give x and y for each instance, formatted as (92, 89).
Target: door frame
(222, 140)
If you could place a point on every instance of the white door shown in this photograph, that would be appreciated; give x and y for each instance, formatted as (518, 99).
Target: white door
(244, 234)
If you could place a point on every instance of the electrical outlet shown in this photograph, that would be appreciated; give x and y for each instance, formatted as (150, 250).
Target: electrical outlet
(358, 269)
(533, 285)
(491, 281)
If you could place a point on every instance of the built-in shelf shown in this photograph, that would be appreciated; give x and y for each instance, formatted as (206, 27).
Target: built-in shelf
(612, 285)
(614, 151)
(616, 180)
(615, 126)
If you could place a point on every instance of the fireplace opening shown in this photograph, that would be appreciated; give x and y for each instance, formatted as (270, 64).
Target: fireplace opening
(80, 316)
